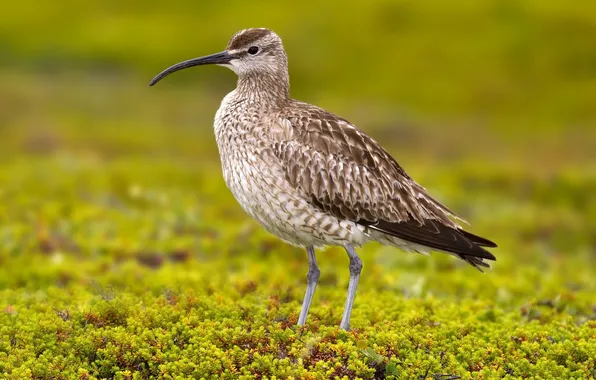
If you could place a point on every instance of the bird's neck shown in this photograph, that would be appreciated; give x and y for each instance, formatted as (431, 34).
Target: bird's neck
(265, 88)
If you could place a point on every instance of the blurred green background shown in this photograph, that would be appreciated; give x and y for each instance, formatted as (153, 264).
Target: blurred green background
(106, 182)
(515, 78)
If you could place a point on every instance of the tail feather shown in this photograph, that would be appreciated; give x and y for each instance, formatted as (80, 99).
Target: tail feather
(438, 236)
(478, 239)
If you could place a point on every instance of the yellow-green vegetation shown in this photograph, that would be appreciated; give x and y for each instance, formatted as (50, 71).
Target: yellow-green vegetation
(122, 254)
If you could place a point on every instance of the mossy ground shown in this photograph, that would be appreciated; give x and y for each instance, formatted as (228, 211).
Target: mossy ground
(123, 255)
(139, 268)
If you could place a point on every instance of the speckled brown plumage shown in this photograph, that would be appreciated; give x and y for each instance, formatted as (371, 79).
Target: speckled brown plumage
(311, 177)
(344, 172)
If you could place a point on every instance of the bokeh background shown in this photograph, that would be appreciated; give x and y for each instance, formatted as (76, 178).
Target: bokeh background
(507, 76)
(106, 183)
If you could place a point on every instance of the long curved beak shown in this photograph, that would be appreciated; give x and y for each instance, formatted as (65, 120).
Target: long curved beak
(213, 59)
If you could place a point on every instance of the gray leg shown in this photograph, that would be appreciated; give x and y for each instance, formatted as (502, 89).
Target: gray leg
(355, 269)
(311, 284)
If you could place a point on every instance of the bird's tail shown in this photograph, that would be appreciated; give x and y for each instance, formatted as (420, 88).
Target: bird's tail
(434, 235)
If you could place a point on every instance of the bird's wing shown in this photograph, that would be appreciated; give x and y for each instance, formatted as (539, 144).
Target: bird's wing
(344, 172)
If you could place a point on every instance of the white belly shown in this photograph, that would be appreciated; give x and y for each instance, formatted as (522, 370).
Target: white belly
(261, 189)
(257, 180)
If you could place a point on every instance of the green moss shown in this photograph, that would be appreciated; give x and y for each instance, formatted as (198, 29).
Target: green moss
(125, 289)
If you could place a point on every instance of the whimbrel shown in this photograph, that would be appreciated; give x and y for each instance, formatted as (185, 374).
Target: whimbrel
(314, 179)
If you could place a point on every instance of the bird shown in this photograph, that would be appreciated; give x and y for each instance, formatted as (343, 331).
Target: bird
(314, 179)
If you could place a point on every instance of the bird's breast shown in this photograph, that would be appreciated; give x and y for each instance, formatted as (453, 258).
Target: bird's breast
(249, 168)
(258, 181)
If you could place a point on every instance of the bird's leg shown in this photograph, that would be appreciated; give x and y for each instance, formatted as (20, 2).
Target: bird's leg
(355, 269)
(311, 284)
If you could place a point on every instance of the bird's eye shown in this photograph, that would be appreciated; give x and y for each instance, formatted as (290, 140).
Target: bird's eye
(253, 50)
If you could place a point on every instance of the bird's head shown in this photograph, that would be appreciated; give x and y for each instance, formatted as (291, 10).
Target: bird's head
(249, 52)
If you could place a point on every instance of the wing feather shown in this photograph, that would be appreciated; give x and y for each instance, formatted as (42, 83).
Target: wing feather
(344, 172)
